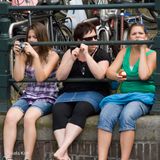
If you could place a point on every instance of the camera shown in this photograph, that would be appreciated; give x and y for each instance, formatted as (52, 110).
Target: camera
(22, 45)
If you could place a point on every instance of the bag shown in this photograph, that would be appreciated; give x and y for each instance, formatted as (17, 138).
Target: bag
(24, 2)
(75, 16)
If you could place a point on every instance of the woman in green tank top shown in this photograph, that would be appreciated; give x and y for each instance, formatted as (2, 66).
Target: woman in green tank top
(135, 98)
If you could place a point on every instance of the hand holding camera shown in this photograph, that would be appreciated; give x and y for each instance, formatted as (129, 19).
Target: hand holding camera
(18, 47)
(25, 48)
(22, 46)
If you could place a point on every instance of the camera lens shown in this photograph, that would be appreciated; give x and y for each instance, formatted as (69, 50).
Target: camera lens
(22, 45)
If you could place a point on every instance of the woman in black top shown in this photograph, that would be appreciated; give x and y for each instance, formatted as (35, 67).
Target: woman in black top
(79, 99)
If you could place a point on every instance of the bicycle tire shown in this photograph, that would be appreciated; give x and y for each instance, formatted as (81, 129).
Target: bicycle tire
(147, 15)
(154, 14)
(150, 26)
(151, 14)
(61, 33)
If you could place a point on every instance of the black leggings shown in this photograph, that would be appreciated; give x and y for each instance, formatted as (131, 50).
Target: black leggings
(71, 112)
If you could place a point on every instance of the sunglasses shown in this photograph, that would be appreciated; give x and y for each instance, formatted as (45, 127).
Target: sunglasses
(90, 38)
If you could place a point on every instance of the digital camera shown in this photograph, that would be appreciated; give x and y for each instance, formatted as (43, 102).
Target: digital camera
(22, 45)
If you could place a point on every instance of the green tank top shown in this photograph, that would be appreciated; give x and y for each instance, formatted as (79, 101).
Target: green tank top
(135, 86)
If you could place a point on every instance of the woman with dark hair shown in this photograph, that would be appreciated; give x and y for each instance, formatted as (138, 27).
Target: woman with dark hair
(136, 97)
(79, 99)
(39, 63)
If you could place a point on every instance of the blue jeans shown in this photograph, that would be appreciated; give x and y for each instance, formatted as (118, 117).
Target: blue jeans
(44, 107)
(125, 115)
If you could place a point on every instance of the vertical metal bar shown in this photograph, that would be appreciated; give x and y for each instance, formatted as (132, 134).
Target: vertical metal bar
(4, 60)
(156, 108)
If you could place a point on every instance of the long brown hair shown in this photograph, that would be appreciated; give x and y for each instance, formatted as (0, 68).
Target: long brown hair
(42, 36)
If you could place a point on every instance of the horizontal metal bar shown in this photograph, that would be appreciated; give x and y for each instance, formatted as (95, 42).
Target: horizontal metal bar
(67, 80)
(73, 80)
(78, 79)
(69, 43)
(80, 7)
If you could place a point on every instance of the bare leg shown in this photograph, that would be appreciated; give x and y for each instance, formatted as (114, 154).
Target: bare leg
(60, 135)
(72, 131)
(10, 130)
(126, 141)
(30, 134)
(104, 141)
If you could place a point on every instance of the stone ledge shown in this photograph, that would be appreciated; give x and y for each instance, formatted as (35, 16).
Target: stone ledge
(148, 129)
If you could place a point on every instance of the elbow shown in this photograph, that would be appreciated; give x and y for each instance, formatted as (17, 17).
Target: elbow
(18, 79)
(59, 78)
(108, 75)
(100, 76)
(144, 78)
(40, 79)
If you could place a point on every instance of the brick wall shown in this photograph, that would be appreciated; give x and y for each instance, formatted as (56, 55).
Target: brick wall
(146, 146)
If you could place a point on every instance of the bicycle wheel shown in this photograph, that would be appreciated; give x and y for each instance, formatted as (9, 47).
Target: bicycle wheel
(154, 14)
(61, 33)
(149, 25)
(147, 14)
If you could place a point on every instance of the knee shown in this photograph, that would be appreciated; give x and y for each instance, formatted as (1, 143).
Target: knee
(29, 120)
(81, 112)
(58, 113)
(107, 121)
(57, 110)
(10, 119)
(127, 122)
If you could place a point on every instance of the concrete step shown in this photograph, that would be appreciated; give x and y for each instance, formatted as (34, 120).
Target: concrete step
(146, 146)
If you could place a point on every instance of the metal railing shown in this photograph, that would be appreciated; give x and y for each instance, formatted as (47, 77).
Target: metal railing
(6, 42)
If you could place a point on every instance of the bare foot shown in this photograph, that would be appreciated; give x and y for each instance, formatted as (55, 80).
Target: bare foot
(66, 156)
(59, 155)
(62, 158)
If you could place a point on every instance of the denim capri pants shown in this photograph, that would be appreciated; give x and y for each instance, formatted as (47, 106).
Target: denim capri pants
(91, 97)
(44, 107)
(125, 115)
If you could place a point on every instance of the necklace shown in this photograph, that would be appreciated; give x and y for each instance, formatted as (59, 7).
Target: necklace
(83, 70)
(82, 67)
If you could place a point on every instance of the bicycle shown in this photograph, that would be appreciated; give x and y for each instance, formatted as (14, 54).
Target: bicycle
(56, 29)
(110, 28)
(55, 22)
(151, 13)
